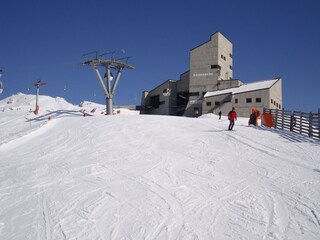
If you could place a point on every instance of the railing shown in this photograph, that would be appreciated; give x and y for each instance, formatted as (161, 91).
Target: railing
(299, 122)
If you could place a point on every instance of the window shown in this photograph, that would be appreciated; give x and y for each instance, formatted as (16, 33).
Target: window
(230, 55)
(162, 102)
(230, 67)
(279, 106)
(154, 101)
(236, 100)
(271, 101)
(258, 99)
(208, 103)
(182, 98)
(217, 103)
(215, 66)
(249, 100)
(194, 94)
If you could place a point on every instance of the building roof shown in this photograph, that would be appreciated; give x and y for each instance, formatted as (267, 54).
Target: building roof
(265, 84)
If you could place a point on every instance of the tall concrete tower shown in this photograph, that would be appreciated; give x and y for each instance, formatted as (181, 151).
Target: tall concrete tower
(210, 69)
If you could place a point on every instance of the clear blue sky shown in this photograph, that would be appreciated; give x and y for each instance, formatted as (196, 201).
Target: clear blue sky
(46, 40)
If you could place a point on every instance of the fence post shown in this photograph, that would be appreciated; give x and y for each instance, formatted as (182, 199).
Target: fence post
(300, 130)
(310, 124)
(282, 120)
(292, 122)
(319, 122)
(276, 120)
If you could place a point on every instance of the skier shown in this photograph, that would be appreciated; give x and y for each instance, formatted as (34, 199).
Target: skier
(252, 119)
(232, 116)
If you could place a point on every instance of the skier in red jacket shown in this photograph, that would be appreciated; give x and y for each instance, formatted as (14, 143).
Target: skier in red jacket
(232, 116)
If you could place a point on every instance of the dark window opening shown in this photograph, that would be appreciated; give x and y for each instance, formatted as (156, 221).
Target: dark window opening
(217, 103)
(249, 100)
(155, 101)
(236, 100)
(208, 103)
(162, 102)
(182, 98)
(216, 66)
(192, 94)
(258, 99)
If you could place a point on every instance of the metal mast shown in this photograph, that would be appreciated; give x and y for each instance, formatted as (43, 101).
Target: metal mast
(116, 64)
(38, 84)
(1, 87)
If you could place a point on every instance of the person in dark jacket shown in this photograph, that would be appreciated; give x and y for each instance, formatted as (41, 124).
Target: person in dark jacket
(252, 119)
(232, 116)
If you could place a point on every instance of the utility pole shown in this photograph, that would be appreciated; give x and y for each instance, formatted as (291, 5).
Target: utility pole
(115, 64)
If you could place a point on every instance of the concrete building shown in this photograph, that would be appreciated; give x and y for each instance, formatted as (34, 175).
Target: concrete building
(209, 87)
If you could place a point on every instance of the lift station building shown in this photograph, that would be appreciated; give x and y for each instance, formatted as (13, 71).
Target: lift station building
(209, 87)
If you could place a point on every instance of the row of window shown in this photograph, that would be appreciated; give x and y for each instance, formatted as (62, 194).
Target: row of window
(248, 100)
(275, 104)
(224, 57)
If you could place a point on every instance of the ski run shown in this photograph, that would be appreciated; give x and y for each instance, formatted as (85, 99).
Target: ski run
(131, 176)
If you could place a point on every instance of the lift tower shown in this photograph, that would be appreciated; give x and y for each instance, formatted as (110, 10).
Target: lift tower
(1, 87)
(117, 65)
(38, 84)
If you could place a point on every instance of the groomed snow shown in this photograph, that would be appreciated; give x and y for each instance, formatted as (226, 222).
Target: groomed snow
(131, 176)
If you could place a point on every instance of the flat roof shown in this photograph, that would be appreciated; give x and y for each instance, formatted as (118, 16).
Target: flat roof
(265, 84)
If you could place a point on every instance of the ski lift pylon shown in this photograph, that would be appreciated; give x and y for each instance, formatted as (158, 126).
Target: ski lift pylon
(1, 86)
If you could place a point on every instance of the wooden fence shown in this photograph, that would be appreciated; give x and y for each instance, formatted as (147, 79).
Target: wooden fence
(299, 122)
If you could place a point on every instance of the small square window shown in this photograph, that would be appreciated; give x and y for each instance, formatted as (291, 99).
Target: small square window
(249, 100)
(258, 99)
(236, 100)
(217, 103)
(208, 103)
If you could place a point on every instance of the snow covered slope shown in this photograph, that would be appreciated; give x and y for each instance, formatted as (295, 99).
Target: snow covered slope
(151, 177)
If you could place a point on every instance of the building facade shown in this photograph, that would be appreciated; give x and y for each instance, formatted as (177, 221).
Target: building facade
(209, 87)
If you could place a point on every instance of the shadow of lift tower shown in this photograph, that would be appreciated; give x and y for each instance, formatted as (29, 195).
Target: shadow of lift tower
(116, 64)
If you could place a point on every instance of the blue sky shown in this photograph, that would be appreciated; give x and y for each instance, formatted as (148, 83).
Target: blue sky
(46, 40)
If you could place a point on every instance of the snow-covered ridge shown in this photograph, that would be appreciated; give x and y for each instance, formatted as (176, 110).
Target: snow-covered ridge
(151, 177)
